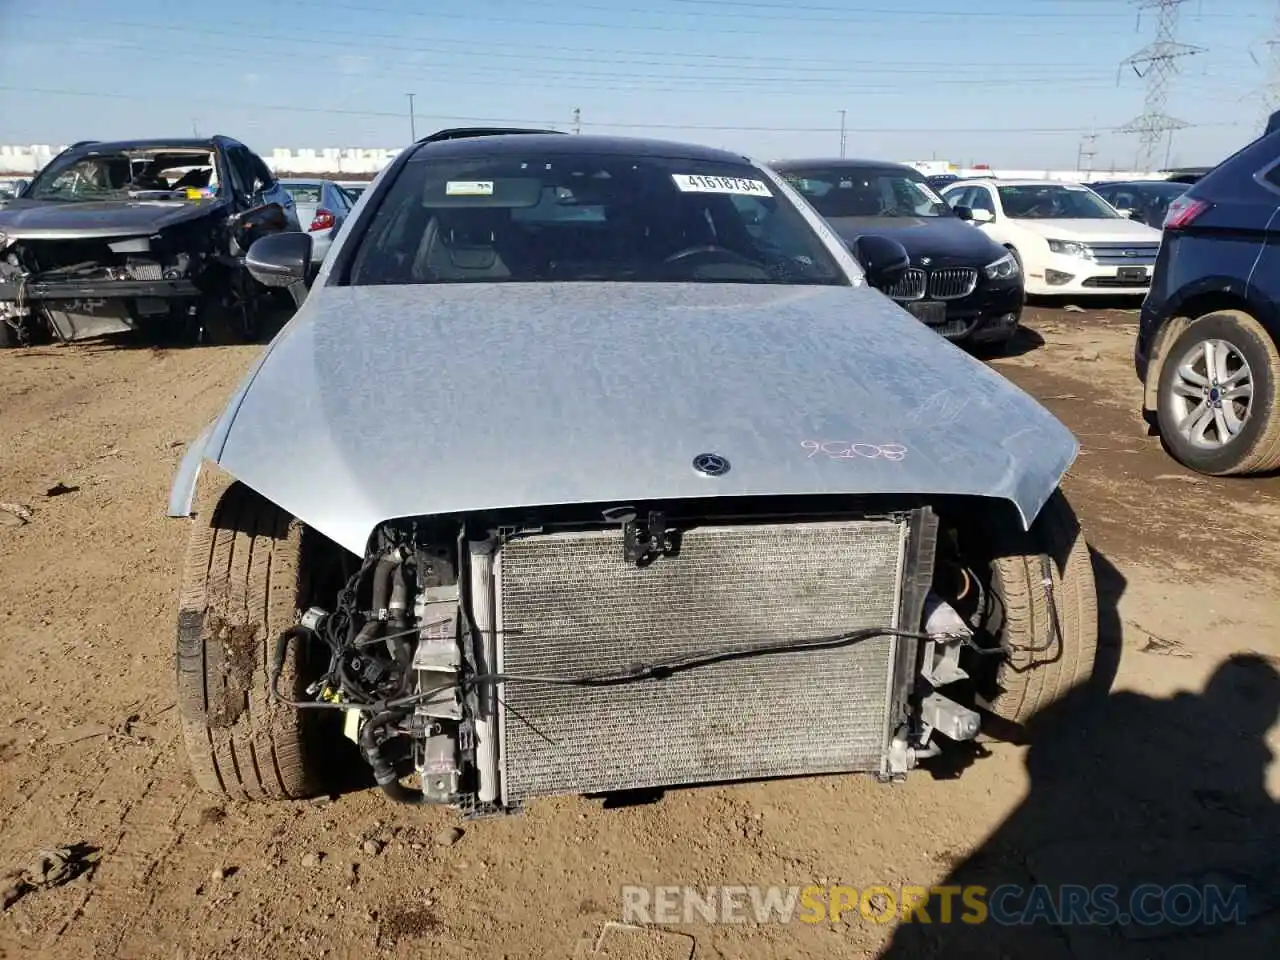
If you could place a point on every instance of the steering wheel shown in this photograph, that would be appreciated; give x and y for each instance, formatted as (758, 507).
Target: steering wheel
(710, 250)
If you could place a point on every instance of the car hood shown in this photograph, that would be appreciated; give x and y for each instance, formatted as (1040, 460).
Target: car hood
(944, 240)
(1120, 230)
(382, 402)
(56, 220)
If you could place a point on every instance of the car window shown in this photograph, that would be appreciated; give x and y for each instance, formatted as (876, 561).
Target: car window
(957, 197)
(303, 192)
(260, 173)
(173, 173)
(980, 199)
(844, 191)
(241, 170)
(1054, 201)
(565, 217)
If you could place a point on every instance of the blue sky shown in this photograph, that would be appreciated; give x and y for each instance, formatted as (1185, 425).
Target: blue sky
(1008, 83)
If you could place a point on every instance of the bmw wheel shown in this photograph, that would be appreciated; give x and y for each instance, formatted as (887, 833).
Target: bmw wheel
(1217, 403)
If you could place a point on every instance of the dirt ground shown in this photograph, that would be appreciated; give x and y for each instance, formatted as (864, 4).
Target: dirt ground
(1175, 774)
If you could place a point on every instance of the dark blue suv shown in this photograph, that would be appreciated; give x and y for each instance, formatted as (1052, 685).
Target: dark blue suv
(1207, 344)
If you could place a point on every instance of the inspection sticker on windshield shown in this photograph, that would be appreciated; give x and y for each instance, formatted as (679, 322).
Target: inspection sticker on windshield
(469, 188)
(701, 183)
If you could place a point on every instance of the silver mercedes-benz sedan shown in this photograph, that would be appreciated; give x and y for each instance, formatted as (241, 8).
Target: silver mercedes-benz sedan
(590, 465)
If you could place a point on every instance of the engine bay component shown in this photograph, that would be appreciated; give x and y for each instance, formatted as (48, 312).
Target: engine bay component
(515, 663)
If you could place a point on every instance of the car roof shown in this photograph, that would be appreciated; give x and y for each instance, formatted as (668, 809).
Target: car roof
(1135, 183)
(559, 143)
(176, 143)
(844, 163)
(1019, 183)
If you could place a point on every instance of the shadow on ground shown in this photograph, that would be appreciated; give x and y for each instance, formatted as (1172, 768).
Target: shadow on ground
(1148, 827)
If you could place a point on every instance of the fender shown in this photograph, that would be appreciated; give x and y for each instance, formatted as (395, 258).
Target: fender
(183, 491)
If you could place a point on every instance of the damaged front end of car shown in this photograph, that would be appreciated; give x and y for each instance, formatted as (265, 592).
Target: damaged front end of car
(74, 284)
(597, 651)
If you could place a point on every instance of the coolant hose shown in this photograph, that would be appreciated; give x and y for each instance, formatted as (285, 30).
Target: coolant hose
(381, 598)
(383, 771)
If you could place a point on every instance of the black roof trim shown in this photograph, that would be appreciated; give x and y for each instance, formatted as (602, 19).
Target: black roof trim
(464, 133)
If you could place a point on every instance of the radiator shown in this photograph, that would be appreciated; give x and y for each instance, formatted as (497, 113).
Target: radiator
(568, 604)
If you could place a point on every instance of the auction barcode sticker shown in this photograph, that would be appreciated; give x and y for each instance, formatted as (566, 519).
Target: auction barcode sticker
(702, 183)
(469, 188)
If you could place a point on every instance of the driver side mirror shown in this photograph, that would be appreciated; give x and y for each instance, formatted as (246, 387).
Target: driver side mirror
(982, 216)
(884, 260)
(963, 212)
(281, 261)
(1128, 213)
(20, 187)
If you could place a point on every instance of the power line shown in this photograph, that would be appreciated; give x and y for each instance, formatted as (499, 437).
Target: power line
(855, 17)
(845, 69)
(603, 124)
(1157, 63)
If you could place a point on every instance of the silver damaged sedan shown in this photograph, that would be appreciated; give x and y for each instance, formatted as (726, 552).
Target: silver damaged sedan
(591, 465)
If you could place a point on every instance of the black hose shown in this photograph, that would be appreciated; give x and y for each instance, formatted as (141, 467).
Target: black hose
(277, 668)
(387, 564)
(384, 772)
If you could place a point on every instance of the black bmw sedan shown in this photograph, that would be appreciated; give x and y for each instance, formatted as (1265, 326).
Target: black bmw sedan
(961, 283)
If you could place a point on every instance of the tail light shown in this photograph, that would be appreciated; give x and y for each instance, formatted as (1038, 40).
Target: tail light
(323, 220)
(1183, 211)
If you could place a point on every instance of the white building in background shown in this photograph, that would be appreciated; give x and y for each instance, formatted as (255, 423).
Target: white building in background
(25, 159)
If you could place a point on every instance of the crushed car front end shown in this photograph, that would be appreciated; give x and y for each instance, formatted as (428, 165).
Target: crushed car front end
(618, 649)
(88, 251)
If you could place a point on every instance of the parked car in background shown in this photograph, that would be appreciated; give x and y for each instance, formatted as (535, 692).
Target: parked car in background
(1067, 239)
(10, 187)
(1206, 349)
(322, 207)
(1146, 201)
(111, 237)
(613, 433)
(1187, 175)
(940, 180)
(960, 283)
(354, 188)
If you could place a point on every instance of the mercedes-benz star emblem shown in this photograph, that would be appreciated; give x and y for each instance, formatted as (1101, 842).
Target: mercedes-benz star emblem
(926, 260)
(711, 465)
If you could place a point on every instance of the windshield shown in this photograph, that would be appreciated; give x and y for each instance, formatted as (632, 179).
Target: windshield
(850, 192)
(1054, 201)
(557, 217)
(177, 174)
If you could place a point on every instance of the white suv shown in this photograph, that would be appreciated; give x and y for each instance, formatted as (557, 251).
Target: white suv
(1067, 238)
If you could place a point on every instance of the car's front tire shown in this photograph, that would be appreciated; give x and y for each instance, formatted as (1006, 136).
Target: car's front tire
(243, 584)
(1216, 401)
(1050, 628)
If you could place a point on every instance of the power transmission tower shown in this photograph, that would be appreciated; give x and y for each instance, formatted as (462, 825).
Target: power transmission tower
(577, 119)
(1089, 139)
(1157, 63)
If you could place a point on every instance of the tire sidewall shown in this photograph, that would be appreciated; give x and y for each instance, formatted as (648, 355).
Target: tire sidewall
(1245, 338)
